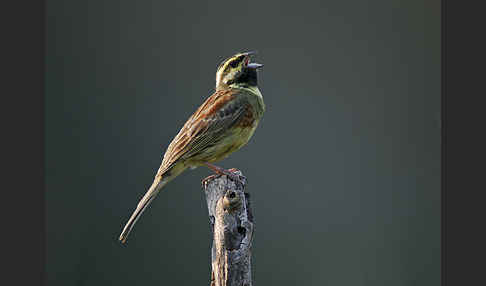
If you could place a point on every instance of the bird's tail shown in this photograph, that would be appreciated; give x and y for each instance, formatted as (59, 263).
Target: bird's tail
(152, 192)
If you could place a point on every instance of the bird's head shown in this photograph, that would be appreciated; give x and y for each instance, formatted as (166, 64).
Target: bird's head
(237, 71)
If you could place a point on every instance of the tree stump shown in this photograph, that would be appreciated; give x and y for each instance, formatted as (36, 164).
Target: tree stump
(232, 226)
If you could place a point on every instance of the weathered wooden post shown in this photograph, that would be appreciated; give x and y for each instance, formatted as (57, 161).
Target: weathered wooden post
(231, 222)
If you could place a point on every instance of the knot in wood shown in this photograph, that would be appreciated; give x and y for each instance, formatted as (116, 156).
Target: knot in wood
(232, 201)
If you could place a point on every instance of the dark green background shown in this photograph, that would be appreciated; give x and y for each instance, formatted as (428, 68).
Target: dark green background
(344, 169)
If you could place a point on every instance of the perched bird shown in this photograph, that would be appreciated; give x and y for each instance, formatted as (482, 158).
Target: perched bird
(221, 125)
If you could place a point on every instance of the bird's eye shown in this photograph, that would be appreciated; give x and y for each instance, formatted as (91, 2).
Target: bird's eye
(234, 64)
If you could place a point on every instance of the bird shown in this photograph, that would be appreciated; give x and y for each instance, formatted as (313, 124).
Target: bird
(223, 124)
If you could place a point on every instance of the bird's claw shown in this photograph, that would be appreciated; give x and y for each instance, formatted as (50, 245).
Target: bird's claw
(232, 174)
(206, 180)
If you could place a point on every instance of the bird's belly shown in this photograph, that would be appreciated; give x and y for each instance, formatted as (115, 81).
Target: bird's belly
(236, 138)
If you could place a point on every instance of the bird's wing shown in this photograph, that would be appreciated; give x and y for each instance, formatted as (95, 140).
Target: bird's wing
(206, 126)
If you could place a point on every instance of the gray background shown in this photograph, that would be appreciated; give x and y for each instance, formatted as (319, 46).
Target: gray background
(344, 169)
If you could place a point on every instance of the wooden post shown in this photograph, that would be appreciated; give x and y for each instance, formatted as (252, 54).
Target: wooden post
(232, 226)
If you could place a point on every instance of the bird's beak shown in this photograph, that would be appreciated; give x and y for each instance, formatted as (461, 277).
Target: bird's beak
(250, 53)
(254, 66)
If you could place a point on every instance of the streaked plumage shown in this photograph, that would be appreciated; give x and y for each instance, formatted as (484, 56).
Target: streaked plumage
(221, 125)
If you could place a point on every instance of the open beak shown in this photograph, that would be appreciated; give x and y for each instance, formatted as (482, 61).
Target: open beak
(252, 65)
(250, 53)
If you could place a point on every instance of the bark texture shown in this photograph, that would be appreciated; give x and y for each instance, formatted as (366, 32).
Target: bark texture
(232, 226)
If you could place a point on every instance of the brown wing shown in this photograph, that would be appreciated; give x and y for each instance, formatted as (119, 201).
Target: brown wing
(206, 126)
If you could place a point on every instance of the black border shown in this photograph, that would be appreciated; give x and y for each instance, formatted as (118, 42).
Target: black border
(23, 211)
(22, 119)
(463, 143)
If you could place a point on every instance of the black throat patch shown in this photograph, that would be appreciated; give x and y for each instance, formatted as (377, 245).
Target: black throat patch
(248, 77)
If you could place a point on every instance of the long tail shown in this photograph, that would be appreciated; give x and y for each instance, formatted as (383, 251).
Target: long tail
(152, 192)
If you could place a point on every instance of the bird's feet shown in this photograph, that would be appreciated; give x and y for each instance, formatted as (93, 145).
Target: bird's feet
(236, 175)
(232, 173)
(206, 180)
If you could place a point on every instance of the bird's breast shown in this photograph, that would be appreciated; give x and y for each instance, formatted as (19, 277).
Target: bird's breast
(236, 137)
